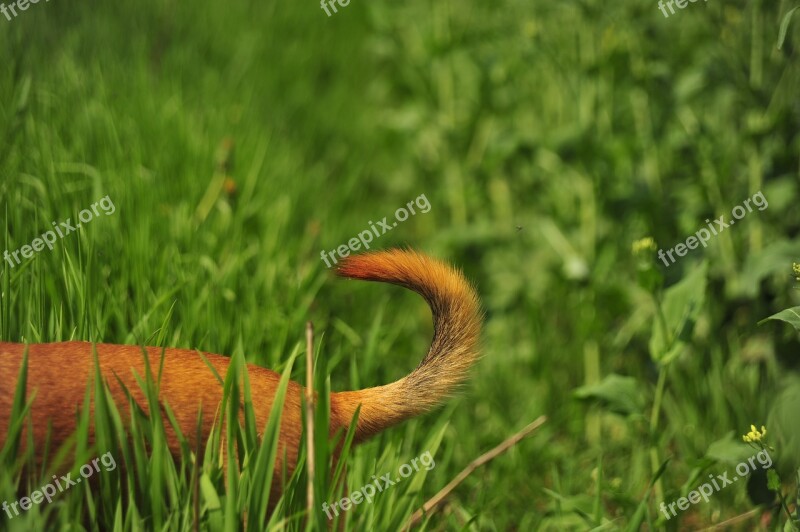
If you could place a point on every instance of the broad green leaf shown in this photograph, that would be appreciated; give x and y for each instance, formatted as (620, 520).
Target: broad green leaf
(681, 305)
(783, 430)
(772, 260)
(616, 393)
(729, 450)
(790, 316)
(773, 480)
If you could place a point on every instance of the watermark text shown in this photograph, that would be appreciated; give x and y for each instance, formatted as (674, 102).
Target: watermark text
(63, 483)
(366, 493)
(383, 227)
(709, 488)
(48, 238)
(703, 235)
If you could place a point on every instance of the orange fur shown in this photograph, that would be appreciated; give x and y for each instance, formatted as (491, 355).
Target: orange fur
(59, 372)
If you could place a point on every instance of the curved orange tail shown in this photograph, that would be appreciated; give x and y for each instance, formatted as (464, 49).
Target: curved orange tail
(457, 323)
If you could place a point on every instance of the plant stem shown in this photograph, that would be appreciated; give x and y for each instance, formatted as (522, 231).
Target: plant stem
(654, 415)
(660, 385)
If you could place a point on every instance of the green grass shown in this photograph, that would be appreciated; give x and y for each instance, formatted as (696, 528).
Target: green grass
(547, 136)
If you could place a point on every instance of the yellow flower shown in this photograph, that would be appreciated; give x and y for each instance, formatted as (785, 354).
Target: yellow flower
(796, 270)
(644, 244)
(755, 435)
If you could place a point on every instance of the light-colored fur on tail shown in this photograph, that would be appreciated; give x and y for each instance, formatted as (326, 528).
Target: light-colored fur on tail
(457, 324)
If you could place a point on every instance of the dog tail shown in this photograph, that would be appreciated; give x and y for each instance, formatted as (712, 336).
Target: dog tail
(456, 324)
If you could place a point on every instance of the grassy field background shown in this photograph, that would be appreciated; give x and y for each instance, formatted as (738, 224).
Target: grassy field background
(239, 140)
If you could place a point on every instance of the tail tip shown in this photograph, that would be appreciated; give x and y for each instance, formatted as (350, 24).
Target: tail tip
(373, 265)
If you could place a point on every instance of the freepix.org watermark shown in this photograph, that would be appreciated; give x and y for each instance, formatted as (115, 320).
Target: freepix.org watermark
(366, 493)
(64, 483)
(22, 5)
(703, 235)
(48, 238)
(365, 236)
(680, 3)
(332, 4)
(703, 491)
